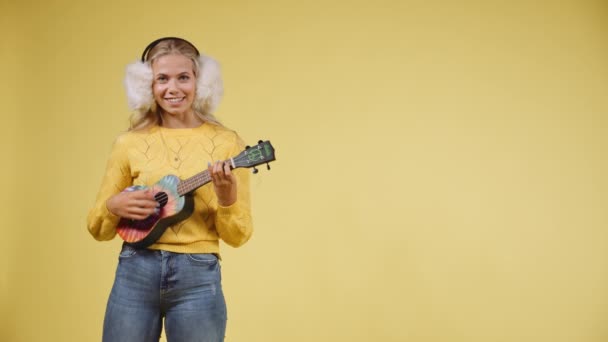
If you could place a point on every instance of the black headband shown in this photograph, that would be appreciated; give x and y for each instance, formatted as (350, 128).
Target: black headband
(154, 43)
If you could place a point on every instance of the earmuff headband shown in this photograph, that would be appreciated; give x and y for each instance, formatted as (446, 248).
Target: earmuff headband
(150, 46)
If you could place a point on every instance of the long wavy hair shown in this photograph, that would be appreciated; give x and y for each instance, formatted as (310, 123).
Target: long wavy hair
(139, 78)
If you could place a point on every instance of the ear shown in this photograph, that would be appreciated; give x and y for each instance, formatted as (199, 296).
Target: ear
(209, 86)
(138, 83)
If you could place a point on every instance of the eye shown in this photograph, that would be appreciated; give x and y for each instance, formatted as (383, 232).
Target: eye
(161, 78)
(184, 77)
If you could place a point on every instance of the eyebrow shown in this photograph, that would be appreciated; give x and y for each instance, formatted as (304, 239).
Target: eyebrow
(179, 74)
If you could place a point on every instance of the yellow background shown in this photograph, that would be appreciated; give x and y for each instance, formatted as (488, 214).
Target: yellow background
(441, 175)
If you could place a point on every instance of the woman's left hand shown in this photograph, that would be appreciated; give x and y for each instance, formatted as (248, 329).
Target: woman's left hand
(224, 182)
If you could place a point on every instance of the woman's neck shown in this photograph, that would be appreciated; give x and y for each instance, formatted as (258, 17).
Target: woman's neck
(186, 120)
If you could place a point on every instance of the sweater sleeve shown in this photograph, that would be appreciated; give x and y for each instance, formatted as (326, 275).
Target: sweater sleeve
(101, 223)
(233, 223)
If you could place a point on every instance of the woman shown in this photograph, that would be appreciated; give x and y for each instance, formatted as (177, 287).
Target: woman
(173, 92)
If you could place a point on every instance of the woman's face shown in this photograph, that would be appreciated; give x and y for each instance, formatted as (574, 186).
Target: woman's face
(174, 85)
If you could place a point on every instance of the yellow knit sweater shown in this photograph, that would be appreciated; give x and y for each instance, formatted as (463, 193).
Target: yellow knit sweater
(143, 158)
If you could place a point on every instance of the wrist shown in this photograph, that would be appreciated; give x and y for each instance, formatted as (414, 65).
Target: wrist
(109, 207)
(226, 202)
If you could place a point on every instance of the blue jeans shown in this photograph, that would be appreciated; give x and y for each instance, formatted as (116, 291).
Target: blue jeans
(184, 289)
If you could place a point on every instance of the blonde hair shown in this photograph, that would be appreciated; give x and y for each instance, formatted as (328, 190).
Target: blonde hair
(209, 88)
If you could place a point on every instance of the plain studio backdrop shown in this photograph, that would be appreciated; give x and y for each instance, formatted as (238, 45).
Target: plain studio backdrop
(441, 170)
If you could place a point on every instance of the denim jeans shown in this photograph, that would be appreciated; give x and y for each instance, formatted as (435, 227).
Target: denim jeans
(184, 289)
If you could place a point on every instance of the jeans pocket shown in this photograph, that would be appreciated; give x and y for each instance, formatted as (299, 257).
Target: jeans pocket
(127, 252)
(205, 259)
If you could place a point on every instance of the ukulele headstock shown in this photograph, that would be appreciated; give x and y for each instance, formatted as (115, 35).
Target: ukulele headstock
(252, 156)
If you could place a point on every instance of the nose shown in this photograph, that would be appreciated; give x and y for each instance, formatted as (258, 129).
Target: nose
(172, 86)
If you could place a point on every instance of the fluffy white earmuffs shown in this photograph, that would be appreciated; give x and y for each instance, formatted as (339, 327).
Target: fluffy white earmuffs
(209, 86)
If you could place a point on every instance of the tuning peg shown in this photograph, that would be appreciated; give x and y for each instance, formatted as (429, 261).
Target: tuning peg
(267, 166)
(260, 141)
(247, 147)
(255, 170)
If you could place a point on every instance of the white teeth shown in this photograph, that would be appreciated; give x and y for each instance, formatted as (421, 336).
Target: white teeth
(175, 100)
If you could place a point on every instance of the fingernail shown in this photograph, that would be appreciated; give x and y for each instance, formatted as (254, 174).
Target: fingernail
(156, 211)
(208, 163)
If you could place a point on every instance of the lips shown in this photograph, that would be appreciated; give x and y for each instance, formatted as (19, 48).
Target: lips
(174, 100)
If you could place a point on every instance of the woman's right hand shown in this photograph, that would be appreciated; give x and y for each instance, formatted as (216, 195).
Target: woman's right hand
(135, 205)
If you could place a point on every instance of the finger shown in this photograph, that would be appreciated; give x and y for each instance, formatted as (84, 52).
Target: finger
(230, 177)
(227, 171)
(142, 194)
(146, 204)
(136, 216)
(145, 212)
(150, 194)
(217, 171)
(211, 168)
(221, 170)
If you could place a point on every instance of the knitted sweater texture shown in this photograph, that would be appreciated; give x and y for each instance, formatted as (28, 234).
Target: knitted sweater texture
(144, 157)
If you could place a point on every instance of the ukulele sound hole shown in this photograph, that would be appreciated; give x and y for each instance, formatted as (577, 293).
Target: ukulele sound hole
(162, 198)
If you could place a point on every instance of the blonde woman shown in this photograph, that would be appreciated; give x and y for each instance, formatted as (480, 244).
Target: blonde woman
(173, 92)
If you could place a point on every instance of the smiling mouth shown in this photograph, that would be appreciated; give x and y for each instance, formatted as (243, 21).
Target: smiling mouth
(175, 99)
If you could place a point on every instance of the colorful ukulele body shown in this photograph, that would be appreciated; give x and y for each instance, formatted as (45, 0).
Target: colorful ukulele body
(175, 198)
(173, 209)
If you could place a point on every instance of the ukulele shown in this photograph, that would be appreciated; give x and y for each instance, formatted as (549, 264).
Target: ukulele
(176, 199)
